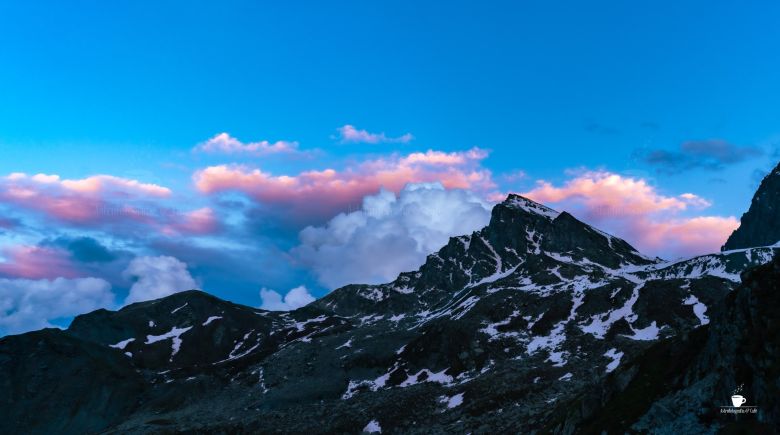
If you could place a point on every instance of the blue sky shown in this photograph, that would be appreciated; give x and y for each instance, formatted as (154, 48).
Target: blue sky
(560, 92)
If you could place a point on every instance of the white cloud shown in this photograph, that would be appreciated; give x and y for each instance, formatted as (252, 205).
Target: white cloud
(157, 277)
(27, 305)
(389, 234)
(295, 298)
(226, 144)
(350, 134)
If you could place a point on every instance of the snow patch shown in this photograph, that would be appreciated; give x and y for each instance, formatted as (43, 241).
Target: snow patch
(404, 290)
(492, 328)
(645, 334)
(557, 336)
(438, 377)
(698, 309)
(211, 319)
(495, 276)
(452, 401)
(615, 356)
(372, 294)
(397, 317)
(599, 326)
(122, 344)
(347, 344)
(533, 207)
(175, 336)
(372, 427)
(233, 353)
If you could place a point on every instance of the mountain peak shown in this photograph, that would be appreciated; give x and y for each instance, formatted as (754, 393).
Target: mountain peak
(516, 201)
(760, 225)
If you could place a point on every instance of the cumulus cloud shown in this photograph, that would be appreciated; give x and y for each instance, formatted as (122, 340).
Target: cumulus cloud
(323, 193)
(157, 277)
(634, 210)
(27, 305)
(389, 234)
(226, 144)
(350, 134)
(295, 298)
(711, 154)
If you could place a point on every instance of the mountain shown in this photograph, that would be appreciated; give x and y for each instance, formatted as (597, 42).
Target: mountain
(760, 225)
(494, 332)
(681, 385)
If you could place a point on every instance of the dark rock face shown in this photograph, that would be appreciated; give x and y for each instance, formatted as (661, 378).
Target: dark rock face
(52, 382)
(489, 335)
(682, 384)
(760, 226)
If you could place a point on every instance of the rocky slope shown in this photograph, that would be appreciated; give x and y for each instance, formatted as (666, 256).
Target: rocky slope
(490, 334)
(683, 385)
(760, 225)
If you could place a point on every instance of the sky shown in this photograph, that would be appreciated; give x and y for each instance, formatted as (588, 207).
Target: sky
(269, 153)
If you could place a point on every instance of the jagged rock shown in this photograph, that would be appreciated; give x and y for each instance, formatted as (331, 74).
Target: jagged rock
(760, 225)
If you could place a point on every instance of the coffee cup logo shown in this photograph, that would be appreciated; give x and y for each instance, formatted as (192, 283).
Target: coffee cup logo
(738, 400)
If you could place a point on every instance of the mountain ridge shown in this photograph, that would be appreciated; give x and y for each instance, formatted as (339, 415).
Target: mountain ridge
(489, 333)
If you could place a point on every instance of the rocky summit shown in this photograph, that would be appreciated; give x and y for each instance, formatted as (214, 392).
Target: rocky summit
(760, 225)
(536, 321)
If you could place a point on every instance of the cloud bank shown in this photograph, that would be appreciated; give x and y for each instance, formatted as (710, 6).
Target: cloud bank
(326, 192)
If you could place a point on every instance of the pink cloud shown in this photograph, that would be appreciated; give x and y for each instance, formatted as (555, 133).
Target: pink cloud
(685, 237)
(35, 262)
(634, 210)
(200, 221)
(91, 185)
(102, 201)
(85, 200)
(322, 193)
(608, 193)
(224, 143)
(350, 134)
